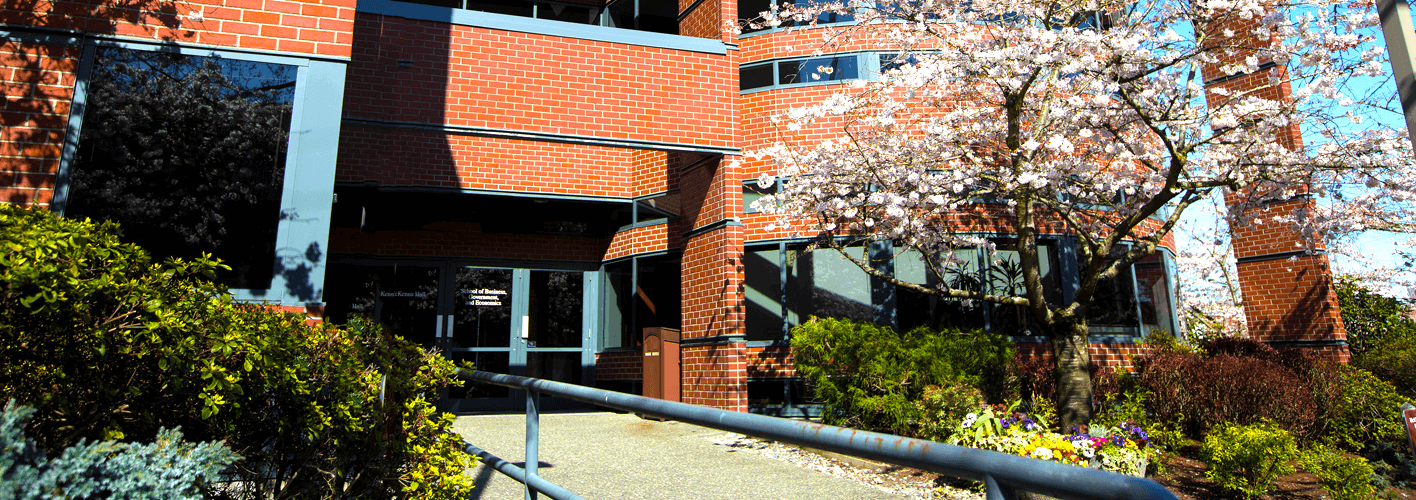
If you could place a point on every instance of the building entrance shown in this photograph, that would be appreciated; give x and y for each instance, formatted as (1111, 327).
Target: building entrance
(519, 321)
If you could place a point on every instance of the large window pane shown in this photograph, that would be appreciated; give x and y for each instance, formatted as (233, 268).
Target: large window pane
(404, 299)
(1005, 277)
(823, 283)
(916, 309)
(823, 69)
(1154, 295)
(188, 154)
(763, 274)
(482, 308)
(555, 304)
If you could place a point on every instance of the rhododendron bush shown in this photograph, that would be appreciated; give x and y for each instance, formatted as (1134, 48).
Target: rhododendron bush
(1089, 118)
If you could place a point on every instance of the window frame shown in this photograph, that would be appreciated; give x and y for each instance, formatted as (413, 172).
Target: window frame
(312, 146)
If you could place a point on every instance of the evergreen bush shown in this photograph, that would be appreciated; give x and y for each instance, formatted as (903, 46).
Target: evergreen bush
(1394, 361)
(106, 344)
(1366, 411)
(1247, 458)
(166, 469)
(869, 377)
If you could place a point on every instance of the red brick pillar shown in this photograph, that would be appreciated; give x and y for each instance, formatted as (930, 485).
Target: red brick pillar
(1284, 276)
(713, 345)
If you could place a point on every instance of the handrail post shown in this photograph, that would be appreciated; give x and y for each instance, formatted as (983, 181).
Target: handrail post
(995, 491)
(533, 437)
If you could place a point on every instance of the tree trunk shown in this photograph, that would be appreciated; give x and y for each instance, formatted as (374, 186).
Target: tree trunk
(1072, 359)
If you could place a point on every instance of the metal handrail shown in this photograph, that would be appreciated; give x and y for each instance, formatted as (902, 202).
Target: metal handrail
(1002, 474)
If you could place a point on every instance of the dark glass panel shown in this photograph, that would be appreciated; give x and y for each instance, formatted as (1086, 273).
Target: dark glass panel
(402, 298)
(482, 308)
(456, 4)
(567, 13)
(510, 7)
(1114, 302)
(659, 293)
(619, 291)
(555, 303)
(188, 154)
(495, 362)
(557, 366)
(763, 275)
(754, 77)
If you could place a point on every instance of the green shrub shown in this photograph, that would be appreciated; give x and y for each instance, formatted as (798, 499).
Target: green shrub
(869, 376)
(1394, 361)
(1247, 458)
(1205, 392)
(1370, 318)
(940, 409)
(106, 344)
(1367, 410)
(1346, 478)
(166, 469)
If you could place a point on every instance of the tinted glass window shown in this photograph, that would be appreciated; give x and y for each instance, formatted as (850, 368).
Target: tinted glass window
(187, 153)
(823, 69)
(753, 77)
(509, 7)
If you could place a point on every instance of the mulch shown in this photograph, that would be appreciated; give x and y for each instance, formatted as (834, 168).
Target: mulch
(1184, 475)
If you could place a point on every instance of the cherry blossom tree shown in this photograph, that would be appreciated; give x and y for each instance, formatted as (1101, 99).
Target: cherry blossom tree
(1087, 118)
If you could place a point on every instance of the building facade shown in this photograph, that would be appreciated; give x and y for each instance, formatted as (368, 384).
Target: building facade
(526, 184)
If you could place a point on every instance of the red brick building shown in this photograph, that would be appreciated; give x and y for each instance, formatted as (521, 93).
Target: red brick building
(527, 184)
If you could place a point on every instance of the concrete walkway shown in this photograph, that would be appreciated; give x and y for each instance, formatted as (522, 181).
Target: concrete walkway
(618, 456)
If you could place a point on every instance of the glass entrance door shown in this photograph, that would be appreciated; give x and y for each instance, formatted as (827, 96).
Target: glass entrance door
(519, 321)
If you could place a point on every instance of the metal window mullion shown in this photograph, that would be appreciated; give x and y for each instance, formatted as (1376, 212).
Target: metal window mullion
(77, 107)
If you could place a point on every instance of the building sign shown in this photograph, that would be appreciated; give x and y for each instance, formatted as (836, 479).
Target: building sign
(485, 297)
(403, 294)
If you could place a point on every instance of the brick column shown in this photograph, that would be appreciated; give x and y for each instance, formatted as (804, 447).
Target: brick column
(1284, 276)
(714, 346)
(39, 87)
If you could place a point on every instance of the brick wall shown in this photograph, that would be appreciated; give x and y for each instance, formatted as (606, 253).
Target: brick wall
(38, 81)
(619, 365)
(479, 77)
(402, 157)
(715, 375)
(1107, 354)
(322, 27)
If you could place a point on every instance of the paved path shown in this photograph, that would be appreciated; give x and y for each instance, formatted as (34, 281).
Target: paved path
(602, 456)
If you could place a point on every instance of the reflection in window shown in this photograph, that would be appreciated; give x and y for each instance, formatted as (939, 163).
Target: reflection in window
(658, 208)
(821, 69)
(753, 9)
(404, 299)
(642, 15)
(763, 279)
(555, 302)
(1154, 295)
(916, 309)
(188, 154)
(1114, 302)
(1005, 277)
(629, 307)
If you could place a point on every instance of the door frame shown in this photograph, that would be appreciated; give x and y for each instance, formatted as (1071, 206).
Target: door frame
(517, 350)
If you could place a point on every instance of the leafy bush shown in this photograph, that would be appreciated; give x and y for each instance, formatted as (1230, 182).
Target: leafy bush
(941, 408)
(1394, 361)
(1370, 318)
(166, 469)
(1247, 458)
(107, 344)
(869, 376)
(1205, 392)
(1367, 410)
(1346, 478)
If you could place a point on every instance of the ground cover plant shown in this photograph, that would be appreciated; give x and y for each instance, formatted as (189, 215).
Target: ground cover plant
(106, 344)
